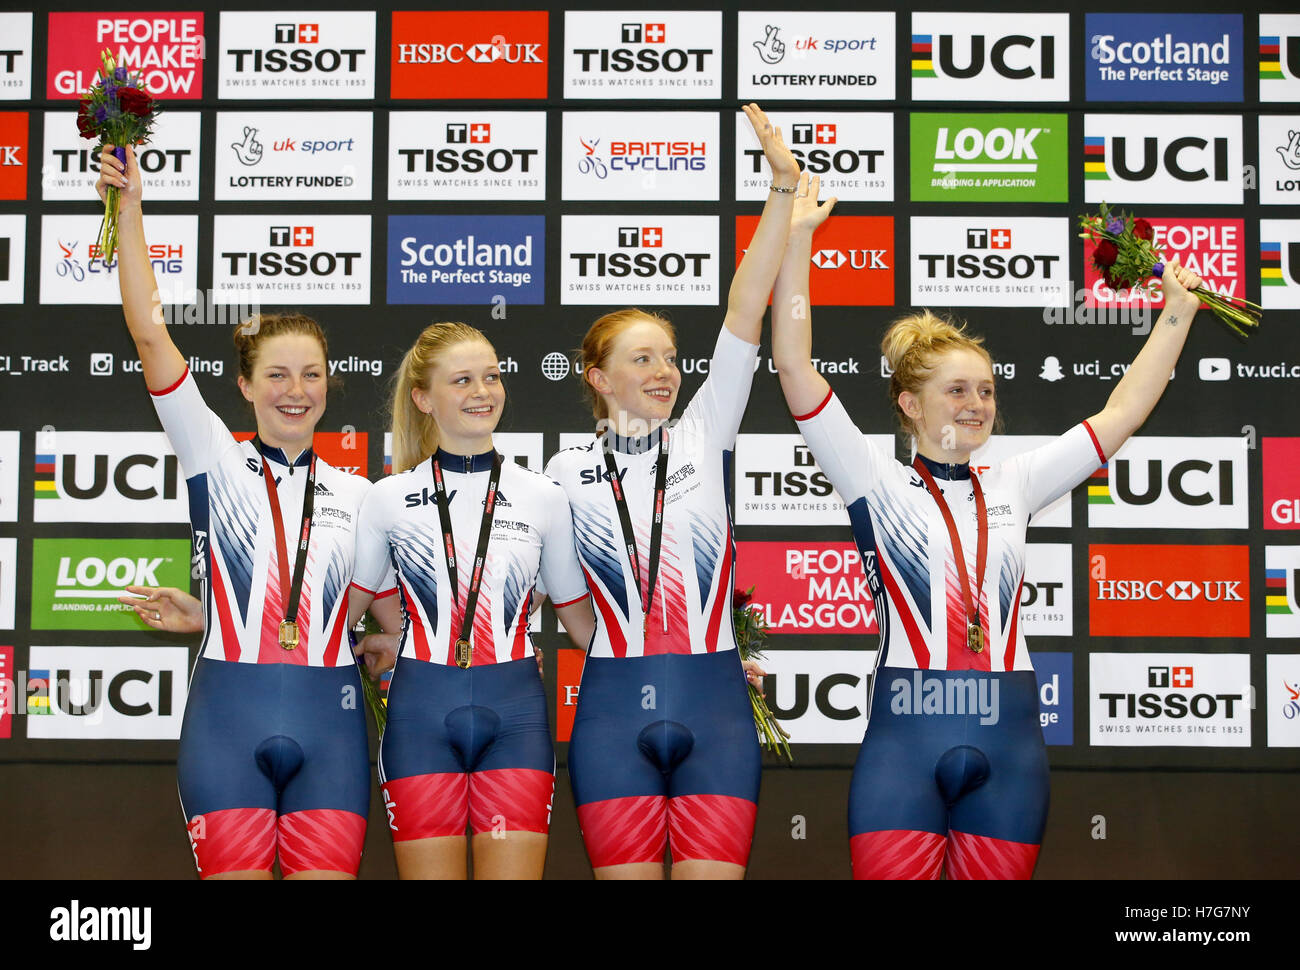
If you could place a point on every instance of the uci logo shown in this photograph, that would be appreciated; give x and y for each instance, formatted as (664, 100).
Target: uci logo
(1187, 159)
(1191, 482)
(1013, 57)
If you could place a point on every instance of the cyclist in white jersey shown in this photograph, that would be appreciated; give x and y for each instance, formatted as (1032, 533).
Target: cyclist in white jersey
(965, 787)
(664, 750)
(468, 742)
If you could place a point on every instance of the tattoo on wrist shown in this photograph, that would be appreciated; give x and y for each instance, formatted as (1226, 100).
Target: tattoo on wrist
(1173, 320)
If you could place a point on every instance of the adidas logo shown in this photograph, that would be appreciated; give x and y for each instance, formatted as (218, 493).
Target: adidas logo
(322, 490)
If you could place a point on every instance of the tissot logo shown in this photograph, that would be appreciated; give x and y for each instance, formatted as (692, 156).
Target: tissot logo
(852, 154)
(1172, 483)
(275, 55)
(1182, 699)
(293, 155)
(990, 57)
(470, 54)
(1017, 262)
(610, 54)
(1201, 591)
(169, 164)
(779, 483)
(1162, 158)
(15, 56)
(467, 155)
(326, 259)
(1164, 57)
(672, 258)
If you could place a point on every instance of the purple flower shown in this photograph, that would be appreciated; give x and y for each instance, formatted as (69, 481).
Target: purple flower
(110, 91)
(120, 74)
(101, 114)
(1114, 226)
(1158, 270)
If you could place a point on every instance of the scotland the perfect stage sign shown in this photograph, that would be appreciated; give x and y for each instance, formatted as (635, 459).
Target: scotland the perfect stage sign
(465, 260)
(1164, 57)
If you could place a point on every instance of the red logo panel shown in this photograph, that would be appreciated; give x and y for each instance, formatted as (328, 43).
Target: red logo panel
(8, 695)
(1168, 591)
(167, 48)
(569, 664)
(807, 587)
(852, 259)
(1281, 483)
(469, 54)
(13, 154)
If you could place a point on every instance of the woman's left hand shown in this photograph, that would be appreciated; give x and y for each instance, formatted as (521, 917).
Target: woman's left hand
(754, 675)
(166, 608)
(1177, 285)
(785, 167)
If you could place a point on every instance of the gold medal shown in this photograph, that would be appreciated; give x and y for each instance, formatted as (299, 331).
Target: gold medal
(464, 654)
(975, 637)
(288, 634)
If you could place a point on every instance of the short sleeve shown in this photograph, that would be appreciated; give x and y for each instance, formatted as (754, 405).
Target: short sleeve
(1048, 472)
(562, 576)
(848, 457)
(198, 436)
(374, 568)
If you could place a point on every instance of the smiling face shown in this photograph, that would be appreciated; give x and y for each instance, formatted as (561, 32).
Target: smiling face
(464, 396)
(954, 410)
(287, 390)
(639, 379)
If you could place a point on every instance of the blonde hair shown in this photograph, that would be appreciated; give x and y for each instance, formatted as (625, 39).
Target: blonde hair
(415, 434)
(598, 344)
(913, 346)
(253, 332)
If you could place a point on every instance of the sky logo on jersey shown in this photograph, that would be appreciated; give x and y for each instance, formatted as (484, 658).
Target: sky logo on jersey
(649, 259)
(1055, 674)
(1282, 591)
(971, 262)
(280, 55)
(990, 57)
(13, 154)
(852, 153)
(625, 155)
(989, 157)
(166, 48)
(1172, 483)
(816, 56)
(459, 260)
(634, 54)
(470, 54)
(852, 259)
(1281, 464)
(1279, 57)
(112, 692)
(1162, 158)
(808, 587)
(1179, 700)
(1279, 264)
(169, 164)
(286, 155)
(16, 56)
(76, 582)
(1214, 249)
(448, 155)
(1168, 591)
(1164, 57)
(107, 476)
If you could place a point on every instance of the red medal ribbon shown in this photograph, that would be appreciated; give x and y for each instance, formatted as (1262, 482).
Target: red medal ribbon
(981, 550)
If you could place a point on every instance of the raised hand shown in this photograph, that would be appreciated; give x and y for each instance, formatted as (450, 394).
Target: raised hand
(785, 167)
(808, 214)
(125, 178)
(1177, 285)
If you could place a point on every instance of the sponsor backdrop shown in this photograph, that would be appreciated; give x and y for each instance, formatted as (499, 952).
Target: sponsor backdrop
(529, 170)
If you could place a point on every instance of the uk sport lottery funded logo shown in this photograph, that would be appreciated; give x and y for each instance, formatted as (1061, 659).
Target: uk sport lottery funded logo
(470, 54)
(294, 155)
(990, 57)
(815, 56)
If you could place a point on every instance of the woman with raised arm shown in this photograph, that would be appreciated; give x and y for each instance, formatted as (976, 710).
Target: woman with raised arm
(953, 770)
(273, 756)
(664, 750)
(468, 743)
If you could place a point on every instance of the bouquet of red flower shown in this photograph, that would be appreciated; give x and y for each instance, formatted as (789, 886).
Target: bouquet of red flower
(1124, 256)
(118, 111)
(751, 632)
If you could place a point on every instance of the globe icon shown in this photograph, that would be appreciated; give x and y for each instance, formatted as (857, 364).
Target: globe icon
(555, 366)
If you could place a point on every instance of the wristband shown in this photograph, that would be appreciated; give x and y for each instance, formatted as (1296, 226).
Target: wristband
(777, 188)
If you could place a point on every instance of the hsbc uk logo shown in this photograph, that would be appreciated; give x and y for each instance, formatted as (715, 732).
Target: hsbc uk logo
(1178, 590)
(853, 258)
